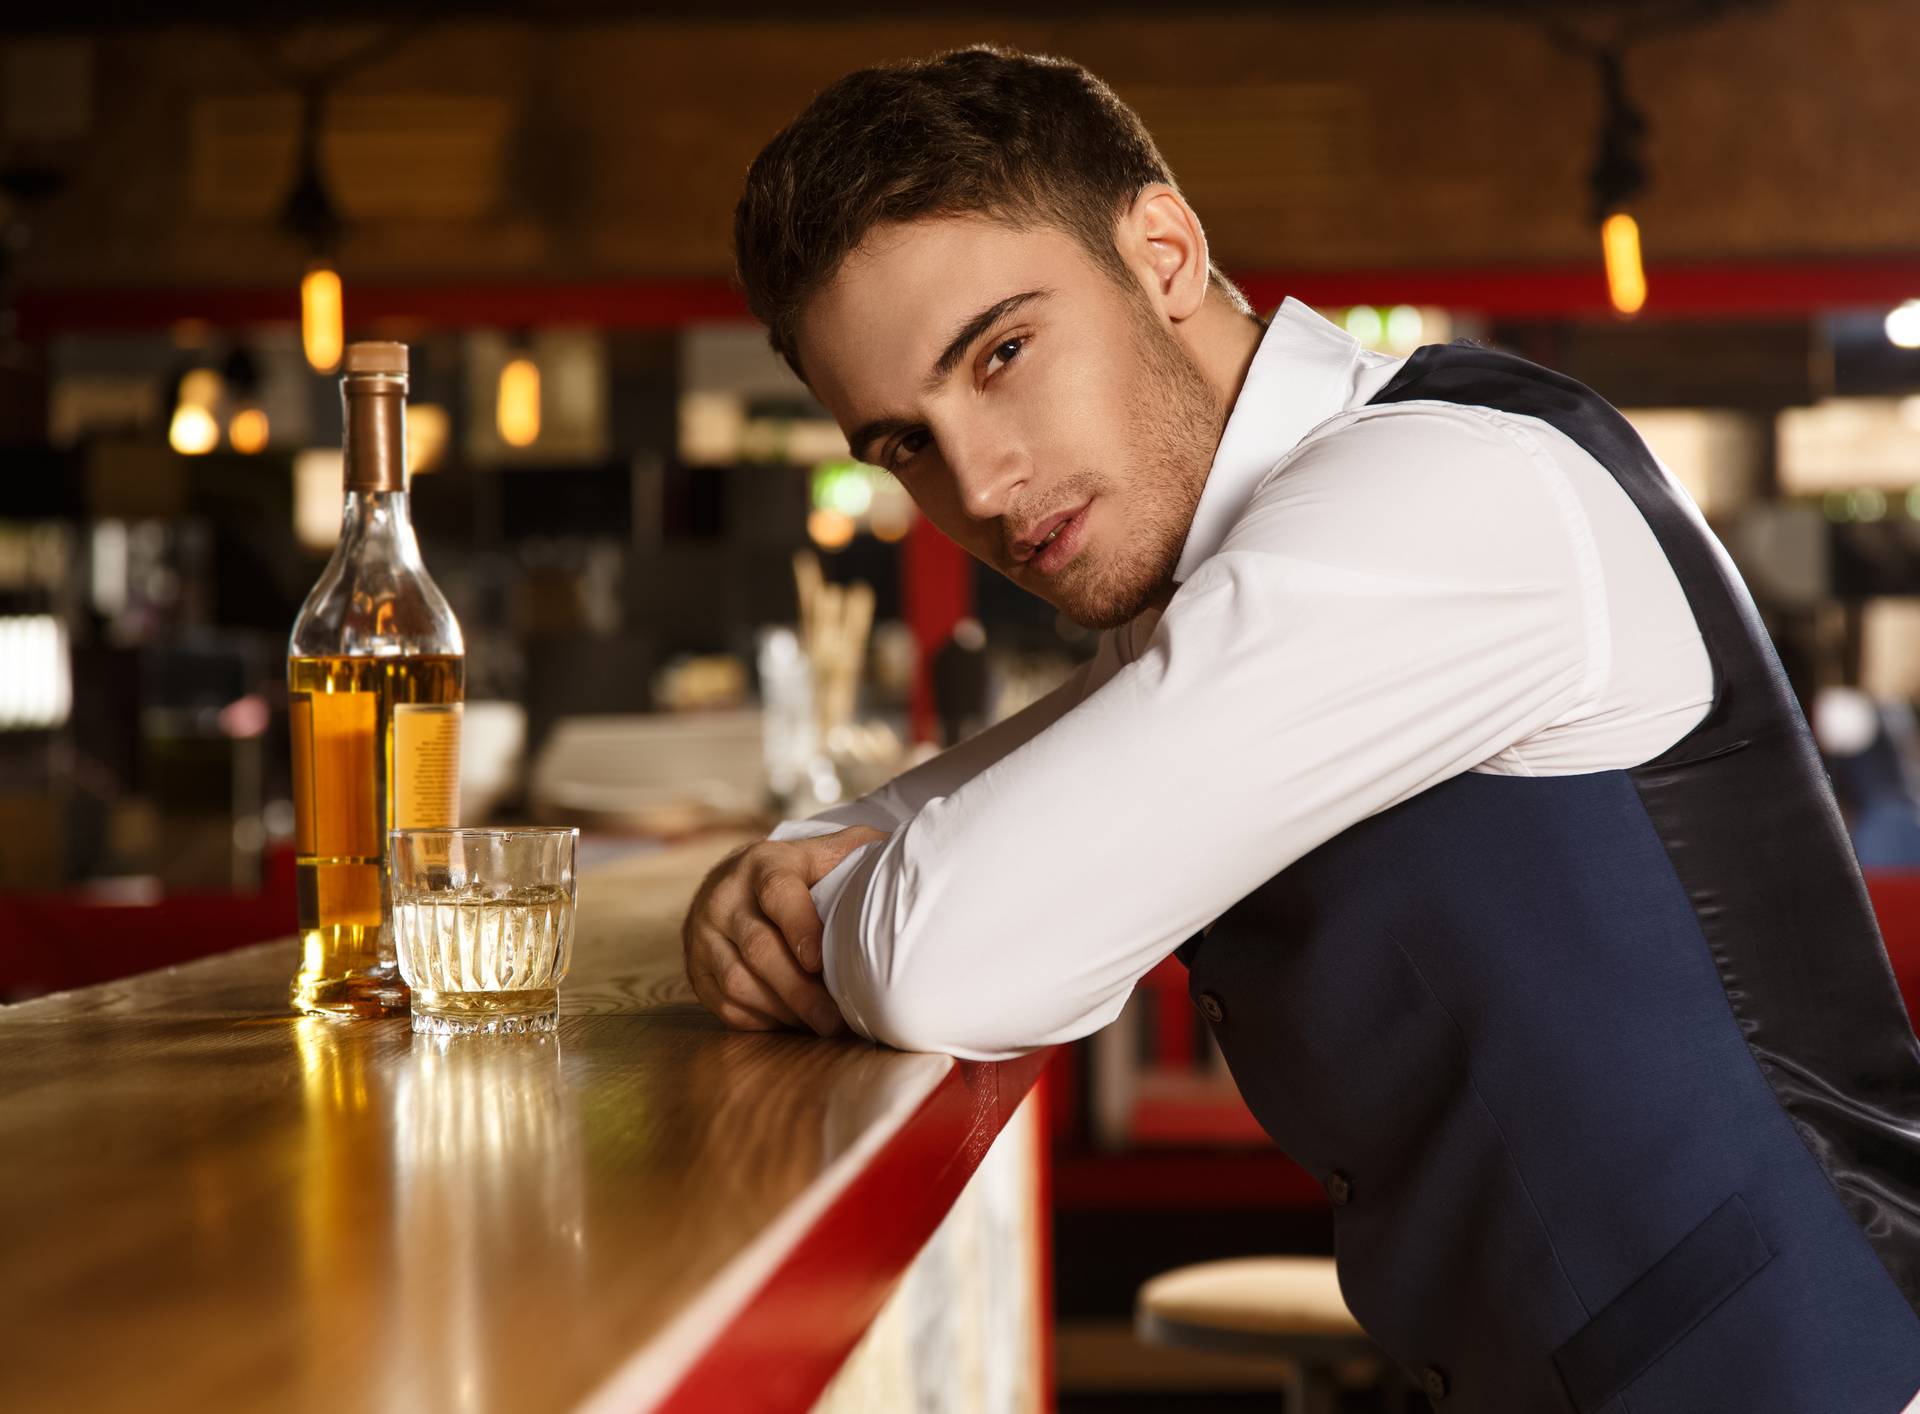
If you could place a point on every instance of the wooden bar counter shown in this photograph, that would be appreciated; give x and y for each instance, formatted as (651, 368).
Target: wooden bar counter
(209, 1203)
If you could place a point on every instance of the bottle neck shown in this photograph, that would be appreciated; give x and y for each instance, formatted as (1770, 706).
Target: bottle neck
(381, 523)
(374, 408)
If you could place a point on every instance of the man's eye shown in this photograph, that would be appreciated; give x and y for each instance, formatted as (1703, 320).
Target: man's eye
(907, 448)
(1016, 344)
(894, 458)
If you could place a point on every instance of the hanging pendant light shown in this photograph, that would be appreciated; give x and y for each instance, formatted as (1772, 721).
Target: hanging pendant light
(194, 430)
(323, 317)
(247, 427)
(248, 431)
(310, 214)
(1619, 171)
(1626, 276)
(517, 399)
(1618, 175)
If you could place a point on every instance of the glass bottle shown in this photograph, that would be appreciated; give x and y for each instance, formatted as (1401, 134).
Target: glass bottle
(376, 674)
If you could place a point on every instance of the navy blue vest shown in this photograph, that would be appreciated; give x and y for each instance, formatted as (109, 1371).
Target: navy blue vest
(1606, 1074)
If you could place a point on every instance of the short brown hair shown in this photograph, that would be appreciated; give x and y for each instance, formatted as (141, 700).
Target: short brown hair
(1024, 139)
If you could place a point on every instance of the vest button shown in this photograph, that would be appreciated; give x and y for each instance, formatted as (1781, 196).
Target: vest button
(1339, 1188)
(1433, 1380)
(1211, 1009)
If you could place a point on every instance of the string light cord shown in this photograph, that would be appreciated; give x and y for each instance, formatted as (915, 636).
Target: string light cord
(1619, 172)
(309, 211)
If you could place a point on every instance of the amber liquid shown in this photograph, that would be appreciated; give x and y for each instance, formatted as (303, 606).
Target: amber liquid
(341, 711)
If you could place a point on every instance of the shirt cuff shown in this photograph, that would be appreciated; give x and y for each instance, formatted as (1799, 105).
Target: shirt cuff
(803, 829)
(835, 890)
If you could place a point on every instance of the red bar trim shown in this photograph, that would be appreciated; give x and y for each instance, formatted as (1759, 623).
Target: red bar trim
(786, 1342)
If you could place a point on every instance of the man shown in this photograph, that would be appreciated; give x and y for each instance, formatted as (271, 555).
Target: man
(1431, 726)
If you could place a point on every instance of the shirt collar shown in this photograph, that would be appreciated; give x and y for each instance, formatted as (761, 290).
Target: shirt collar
(1302, 373)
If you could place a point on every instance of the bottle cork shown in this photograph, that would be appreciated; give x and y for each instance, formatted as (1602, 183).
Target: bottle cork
(376, 356)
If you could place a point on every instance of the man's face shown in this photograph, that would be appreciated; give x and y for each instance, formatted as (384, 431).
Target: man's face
(1078, 400)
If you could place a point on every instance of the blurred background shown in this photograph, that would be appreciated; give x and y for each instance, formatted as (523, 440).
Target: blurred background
(1708, 212)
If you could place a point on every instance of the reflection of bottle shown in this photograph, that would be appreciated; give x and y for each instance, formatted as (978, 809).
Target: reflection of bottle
(375, 679)
(336, 1214)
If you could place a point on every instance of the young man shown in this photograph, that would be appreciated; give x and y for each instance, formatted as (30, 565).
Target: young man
(1431, 726)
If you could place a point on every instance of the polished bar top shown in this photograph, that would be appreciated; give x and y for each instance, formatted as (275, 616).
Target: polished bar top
(209, 1203)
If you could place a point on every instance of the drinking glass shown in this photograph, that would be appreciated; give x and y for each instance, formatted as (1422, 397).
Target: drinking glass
(482, 921)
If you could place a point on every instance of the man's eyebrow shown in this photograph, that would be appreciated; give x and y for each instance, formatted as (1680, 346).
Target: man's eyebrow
(969, 329)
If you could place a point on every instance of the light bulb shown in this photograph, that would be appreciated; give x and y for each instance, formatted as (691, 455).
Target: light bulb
(202, 388)
(1364, 323)
(517, 410)
(427, 431)
(322, 317)
(1626, 279)
(1405, 325)
(247, 433)
(891, 521)
(1903, 325)
(830, 530)
(193, 431)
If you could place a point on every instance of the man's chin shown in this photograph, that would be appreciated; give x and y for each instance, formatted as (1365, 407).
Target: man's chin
(1093, 609)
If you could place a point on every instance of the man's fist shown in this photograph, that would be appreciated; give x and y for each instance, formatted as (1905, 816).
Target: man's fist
(752, 934)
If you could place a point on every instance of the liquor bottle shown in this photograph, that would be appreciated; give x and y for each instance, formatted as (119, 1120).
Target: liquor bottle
(376, 674)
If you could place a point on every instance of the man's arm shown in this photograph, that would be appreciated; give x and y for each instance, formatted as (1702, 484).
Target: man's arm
(751, 936)
(1410, 596)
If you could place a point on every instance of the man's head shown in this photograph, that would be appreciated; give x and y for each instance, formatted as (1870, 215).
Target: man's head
(908, 200)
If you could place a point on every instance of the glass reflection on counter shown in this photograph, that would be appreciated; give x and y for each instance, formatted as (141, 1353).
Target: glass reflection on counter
(485, 1127)
(490, 1184)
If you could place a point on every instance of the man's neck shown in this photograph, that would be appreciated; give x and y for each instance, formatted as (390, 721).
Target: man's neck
(1223, 342)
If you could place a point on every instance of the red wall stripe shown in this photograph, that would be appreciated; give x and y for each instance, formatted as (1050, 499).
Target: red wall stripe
(1757, 288)
(936, 579)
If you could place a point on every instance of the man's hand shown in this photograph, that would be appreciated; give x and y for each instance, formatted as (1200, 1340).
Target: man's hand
(752, 935)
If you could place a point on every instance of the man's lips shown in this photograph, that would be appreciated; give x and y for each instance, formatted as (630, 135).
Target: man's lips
(1028, 542)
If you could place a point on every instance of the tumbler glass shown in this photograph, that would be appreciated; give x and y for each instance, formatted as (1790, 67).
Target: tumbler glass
(482, 921)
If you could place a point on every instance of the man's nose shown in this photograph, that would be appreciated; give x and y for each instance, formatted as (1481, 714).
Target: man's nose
(987, 473)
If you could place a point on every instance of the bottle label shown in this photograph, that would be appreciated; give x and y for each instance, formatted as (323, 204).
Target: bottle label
(333, 774)
(426, 765)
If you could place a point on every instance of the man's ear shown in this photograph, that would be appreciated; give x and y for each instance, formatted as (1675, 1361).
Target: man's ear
(1163, 241)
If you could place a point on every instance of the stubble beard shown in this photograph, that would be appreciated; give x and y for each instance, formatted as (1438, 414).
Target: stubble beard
(1173, 429)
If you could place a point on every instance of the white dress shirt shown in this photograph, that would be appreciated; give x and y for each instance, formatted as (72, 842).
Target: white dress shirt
(1370, 600)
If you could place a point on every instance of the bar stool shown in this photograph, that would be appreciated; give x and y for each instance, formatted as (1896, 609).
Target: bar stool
(1282, 1308)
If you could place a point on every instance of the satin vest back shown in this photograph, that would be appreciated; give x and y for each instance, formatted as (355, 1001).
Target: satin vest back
(1606, 1074)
